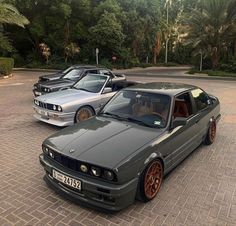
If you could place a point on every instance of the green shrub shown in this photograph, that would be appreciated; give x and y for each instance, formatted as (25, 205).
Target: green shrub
(6, 66)
(230, 67)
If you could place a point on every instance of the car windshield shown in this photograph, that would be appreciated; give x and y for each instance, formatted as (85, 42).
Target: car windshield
(67, 70)
(143, 108)
(91, 83)
(72, 74)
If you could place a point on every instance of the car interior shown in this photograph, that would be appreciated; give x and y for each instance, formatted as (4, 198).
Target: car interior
(183, 107)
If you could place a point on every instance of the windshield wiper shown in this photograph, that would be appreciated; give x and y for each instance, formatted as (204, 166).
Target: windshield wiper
(139, 122)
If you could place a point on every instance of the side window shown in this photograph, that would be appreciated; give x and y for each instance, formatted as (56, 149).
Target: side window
(106, 72)
(201, 99)
(92, 72)
(183, 107)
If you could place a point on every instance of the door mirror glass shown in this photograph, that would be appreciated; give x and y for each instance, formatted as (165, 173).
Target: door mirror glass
(107, 90)
(178, 121)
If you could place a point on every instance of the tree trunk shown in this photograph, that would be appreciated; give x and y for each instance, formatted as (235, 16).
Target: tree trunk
(157, 47)
(235, 48)
(215, 60)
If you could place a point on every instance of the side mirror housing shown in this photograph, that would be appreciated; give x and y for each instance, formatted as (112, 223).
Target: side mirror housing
(107, 90)
(178, 121)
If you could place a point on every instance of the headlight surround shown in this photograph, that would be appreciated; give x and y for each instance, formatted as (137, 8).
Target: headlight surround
(36, 102)
(96, 171)
(109, 175)
(85, 168)
(47, 90)
(57, 108)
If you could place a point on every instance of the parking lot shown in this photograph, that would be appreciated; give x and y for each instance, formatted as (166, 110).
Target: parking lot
(200, 191)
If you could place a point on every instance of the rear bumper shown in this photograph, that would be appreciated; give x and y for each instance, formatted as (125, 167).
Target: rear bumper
(94, 193)
(54, 118)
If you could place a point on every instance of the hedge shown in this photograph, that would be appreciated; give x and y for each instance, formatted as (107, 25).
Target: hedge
(6, 66)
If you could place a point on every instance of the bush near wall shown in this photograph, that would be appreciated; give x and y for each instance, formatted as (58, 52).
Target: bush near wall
(6, 66)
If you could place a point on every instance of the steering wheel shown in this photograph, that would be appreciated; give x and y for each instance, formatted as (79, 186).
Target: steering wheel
(160, 117)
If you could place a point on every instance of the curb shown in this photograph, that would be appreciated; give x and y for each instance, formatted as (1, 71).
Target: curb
(6, 76)
(180, 76)
(35, 70)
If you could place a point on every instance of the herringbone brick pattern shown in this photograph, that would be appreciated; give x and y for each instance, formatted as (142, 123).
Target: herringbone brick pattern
(200, 191)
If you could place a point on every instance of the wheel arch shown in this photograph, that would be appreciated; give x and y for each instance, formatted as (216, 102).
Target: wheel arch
(82, 106)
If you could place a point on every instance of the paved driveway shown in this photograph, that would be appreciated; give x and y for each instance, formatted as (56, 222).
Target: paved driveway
(201, 191)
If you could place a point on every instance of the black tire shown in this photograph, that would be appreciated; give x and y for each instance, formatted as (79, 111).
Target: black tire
(150, 181)
(83, 113)
(211, 133)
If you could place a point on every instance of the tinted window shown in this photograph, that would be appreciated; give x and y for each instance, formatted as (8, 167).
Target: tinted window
(183, 107)
(201, 99)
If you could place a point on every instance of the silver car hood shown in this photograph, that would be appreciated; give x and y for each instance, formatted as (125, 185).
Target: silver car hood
(65, 96)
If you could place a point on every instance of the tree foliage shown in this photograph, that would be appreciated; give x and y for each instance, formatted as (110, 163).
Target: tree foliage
(135, 31)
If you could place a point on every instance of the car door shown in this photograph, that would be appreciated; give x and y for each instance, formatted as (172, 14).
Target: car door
(202, 104)
(182, 139)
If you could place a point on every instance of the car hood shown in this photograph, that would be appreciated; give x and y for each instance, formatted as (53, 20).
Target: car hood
(102, 141)
(58, 83)
(50, 76)
(65, 96)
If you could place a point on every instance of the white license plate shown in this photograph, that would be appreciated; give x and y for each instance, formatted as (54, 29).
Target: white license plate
(38, 93)
(66, 180)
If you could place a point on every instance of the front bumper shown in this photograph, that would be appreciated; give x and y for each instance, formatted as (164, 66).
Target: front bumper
(95, 193)
(54, 118)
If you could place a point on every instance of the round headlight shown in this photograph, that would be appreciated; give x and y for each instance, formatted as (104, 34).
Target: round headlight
(59, 108)
(45, 150)
(49, 91)
(51, 154)
(109, 175)
(36, 102)
(96, 171)
(54, 107)
(84, 168)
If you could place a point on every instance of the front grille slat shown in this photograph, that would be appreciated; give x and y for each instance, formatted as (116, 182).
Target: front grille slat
(46, 105)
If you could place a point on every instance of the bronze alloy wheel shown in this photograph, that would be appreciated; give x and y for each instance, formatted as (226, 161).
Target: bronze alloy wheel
(83, 114)
(153, 179)
(212, 131)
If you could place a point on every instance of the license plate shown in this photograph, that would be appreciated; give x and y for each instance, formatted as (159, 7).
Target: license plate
(38, 93)
(74, 183)
(44, 113)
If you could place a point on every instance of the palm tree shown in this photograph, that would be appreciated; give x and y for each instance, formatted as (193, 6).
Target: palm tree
(211, 28)
(9, 15)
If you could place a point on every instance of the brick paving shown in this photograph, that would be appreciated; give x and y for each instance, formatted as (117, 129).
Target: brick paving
(200, 191)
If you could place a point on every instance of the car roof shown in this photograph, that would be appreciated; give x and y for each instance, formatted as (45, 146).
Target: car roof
(84, 66)
(167, 88)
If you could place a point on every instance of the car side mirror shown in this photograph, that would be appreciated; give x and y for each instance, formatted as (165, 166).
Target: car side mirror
(107, 90)
(178, 121)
